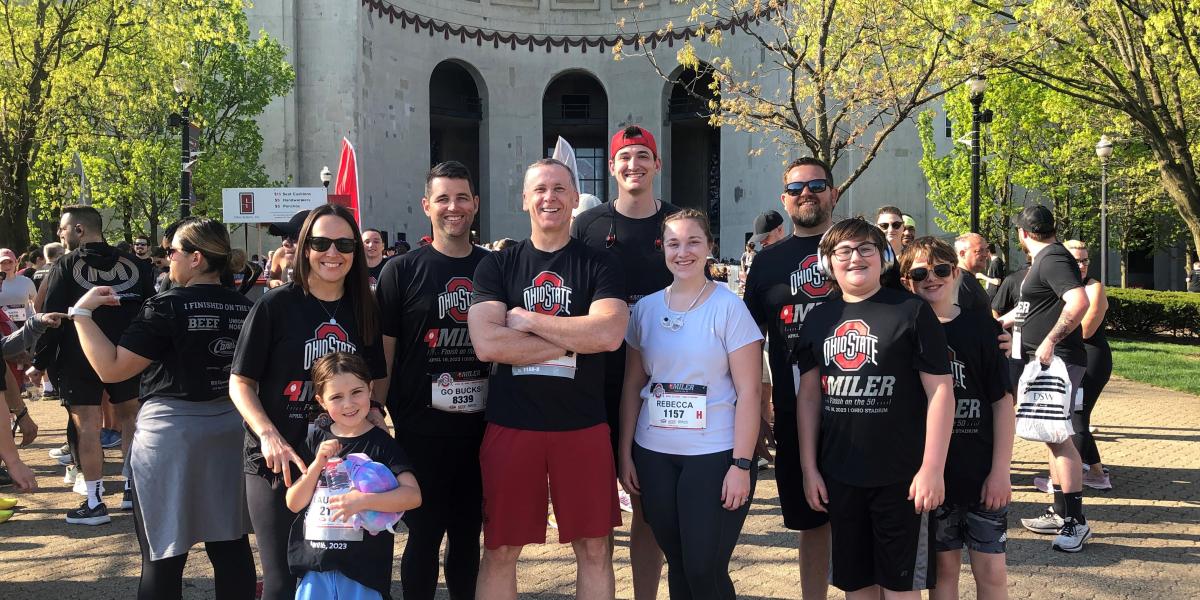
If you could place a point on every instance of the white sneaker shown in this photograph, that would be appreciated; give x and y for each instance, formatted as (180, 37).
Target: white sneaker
(63, 450)
(80, 486)
(625, 501)
(1048, 523)
(1072, 536)
(71, 475)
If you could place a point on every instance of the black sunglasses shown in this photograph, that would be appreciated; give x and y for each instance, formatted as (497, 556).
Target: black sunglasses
(343, 245)
(815, 186)
(920, 274)
(893, 225)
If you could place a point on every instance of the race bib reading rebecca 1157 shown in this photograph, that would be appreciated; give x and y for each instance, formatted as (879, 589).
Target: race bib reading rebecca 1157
(678, 405)
(457, 393)
(563, 366)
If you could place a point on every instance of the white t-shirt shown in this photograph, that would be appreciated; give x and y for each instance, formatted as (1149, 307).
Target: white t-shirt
(16, 298)
(689, 372)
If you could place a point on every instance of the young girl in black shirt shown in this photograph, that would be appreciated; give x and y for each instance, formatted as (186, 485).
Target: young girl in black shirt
(332, 558)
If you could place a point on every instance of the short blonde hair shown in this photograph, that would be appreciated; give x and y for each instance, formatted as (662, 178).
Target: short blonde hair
(1075, 245)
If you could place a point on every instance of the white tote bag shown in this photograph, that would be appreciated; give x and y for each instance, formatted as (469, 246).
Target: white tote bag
(1044, 402)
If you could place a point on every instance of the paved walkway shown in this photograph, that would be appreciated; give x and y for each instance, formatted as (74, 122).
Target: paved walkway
(1147, 543)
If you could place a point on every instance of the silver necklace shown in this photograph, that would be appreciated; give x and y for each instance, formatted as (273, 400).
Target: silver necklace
(673, 320)
(321, 303)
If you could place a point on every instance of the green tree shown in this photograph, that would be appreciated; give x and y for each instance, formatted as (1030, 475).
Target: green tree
(1138, 58)
(835, 75)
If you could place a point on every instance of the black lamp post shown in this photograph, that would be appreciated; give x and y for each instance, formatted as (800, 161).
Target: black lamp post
(977, 85)
(183, 87)
(1104, 149)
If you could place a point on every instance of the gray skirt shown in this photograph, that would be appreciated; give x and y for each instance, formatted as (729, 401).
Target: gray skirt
(186, 462)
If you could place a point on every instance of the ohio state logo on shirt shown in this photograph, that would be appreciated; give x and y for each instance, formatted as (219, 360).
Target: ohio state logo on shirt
(851, 346)
(328, 337)
(548, 295)
(455, 300)
(958, 370)
(810, 279)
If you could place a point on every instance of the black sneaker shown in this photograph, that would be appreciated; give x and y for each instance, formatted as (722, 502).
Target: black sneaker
(5, 479)
(89, 516)
(127, 500)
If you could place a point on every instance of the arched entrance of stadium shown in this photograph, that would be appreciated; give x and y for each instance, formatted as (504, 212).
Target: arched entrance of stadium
(456, 115)
(693, 161)
(575, 106)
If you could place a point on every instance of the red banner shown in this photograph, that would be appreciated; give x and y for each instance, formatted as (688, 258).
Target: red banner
(347, 179)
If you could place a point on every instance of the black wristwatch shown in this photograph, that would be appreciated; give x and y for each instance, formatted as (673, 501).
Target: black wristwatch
(741, 463)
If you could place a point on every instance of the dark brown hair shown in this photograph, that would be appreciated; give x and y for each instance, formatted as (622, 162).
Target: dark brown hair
(336, 363)
(888, 209)
(211, 240)
(356, 286)
(849, 230)
(86, 216)
(809, 160)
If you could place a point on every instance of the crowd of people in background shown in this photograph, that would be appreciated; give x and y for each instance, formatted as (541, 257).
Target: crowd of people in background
(603, 362)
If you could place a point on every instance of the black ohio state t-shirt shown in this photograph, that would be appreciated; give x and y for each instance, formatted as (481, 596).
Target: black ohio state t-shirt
(424, 296)
(368, 561)
(980, 374)
(563, 283)
(1053, 273)
(782, 288)
(284, 334)
(374, 273)
(870, 355)
(190, 333)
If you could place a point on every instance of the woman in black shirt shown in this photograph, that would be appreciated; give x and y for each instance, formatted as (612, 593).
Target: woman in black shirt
(185, 449)
(1099, 369)
(327, 307)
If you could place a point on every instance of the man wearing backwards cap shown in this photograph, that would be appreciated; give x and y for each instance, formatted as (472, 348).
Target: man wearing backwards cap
(1046, 324)
(768, 229)
(281, 261)
(631, 228)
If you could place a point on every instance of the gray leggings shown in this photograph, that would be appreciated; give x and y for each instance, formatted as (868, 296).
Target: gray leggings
(681, 499)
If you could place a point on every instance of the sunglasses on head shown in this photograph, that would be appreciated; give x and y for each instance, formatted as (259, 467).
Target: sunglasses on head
(343, 245)
(922, 273)
(815, 186)
(893, 225)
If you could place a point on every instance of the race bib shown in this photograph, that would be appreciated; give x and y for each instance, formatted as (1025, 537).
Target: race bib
(1015, 352)
(563, 366)
(319, 524)
(678, 405)
(456, 394)
(16, 312)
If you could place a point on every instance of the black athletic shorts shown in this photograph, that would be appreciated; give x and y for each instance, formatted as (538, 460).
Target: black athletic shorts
(970, 525)
(789, 478)
(84, 389)
(878, 539)
(447, 469)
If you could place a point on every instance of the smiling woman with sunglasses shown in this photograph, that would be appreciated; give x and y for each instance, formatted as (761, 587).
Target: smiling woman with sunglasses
(327, 307)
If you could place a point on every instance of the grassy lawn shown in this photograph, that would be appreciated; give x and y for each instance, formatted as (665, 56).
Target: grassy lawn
(1165, 364)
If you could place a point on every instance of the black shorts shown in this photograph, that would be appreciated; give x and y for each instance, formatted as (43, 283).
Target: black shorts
(79, 389)
(878, 539)
(447, 469)
(789, 478)
(979, 529)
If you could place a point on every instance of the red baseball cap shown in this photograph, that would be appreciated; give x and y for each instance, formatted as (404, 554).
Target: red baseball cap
(632, 136)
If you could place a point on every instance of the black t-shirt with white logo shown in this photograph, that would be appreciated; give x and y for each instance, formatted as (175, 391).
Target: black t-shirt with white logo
(870, 355)
(784, 285)
(637, 244)
(284, 334)
(190, 333)
(424, 296)
(375, 272)
(1009, 292)
(565, 393)
(980, 373)
(1054, 273)
(368, 561)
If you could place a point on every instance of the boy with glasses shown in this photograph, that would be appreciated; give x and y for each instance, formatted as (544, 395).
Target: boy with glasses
(875, 394)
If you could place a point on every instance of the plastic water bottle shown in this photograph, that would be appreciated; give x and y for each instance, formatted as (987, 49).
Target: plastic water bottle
(339, 483)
